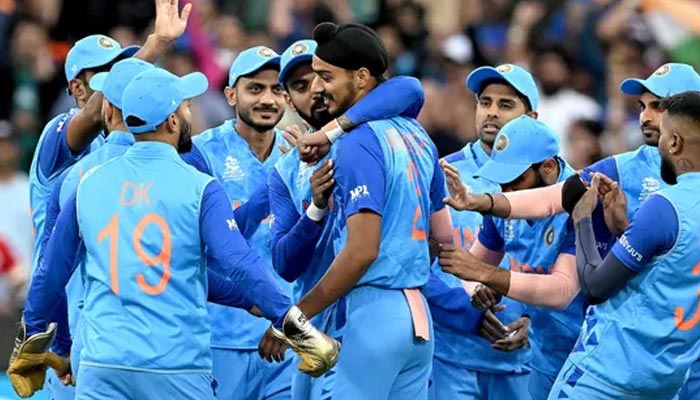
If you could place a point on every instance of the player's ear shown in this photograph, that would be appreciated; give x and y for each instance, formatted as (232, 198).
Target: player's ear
(230, 94)
(677, 143)
(288, 99)
(362, 78)
(173, 124)
(532, 114)
(549, 165)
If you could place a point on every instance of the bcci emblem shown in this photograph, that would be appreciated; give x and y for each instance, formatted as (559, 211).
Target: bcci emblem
(266, 52)
(504, 68)
(549, 236)
(105, 42)
(299, 48)
(663, 70)
(501, 142)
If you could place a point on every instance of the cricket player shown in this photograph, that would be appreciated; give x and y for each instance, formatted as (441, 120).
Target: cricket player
(240, 154)
(70, 136)
(132, 286)
(525, 156)
(303, 220)
(636, 174)
(117, 142)
(503, 93)
(388, 185)
(641, 335)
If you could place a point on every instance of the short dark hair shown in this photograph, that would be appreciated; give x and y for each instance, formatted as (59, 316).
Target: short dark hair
(684, 105)
(486, 83)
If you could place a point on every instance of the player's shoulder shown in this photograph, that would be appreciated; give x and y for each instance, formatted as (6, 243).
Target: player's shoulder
(59, 123)
(213, 134)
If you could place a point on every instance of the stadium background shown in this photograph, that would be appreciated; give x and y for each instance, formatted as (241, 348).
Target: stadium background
(578, 50)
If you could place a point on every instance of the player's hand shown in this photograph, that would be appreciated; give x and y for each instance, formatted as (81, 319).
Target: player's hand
(484, 298)
(31, 358)
(318, 352)
(458, 261)
(322, 184)
(291, 135)
(460, 199)
(170, 24)
(588, 202)
(516, 336)
(313, 147)
(271, 348)
(491, 328)
(614, 207)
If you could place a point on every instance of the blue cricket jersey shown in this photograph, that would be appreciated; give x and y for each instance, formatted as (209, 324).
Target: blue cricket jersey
(644, 339)
(228, 157)
(533, 247)
(390, 167)
(145, 267)
(638, 173)
(52, 157)
(451, 345)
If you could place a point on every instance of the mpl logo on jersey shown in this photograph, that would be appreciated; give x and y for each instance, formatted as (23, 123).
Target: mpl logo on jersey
(359, 192)
(233, 171)
(508, 230)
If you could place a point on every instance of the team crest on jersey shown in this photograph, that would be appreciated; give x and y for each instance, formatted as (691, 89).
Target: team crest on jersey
(105, 42)
(663, 70)
(649, 186)
(504, 68)
(233, 171)
(549, 236)
(299, 48)
(501, 142)
(266, 52)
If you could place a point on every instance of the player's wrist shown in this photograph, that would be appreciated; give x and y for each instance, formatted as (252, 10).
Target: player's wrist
(333, 130)
(316, 213)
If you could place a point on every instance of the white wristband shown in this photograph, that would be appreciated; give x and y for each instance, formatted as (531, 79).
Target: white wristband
(314, 213)
(333, 132)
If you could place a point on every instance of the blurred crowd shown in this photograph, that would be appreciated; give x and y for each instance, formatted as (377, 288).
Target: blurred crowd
(578, 50)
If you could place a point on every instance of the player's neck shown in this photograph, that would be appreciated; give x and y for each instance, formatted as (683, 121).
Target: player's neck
(486, 147)
(260, 142)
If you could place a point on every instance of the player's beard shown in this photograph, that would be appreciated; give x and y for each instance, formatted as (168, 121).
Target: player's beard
(259, 127)
(184, 141)
(668, 174)
(317, 119)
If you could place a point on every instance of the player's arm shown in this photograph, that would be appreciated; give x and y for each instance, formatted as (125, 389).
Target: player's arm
(440, 218)
(359, 167)
(250, 214)
(169, 26)
(398, 96)
(235, 260)
(47, 290)
(451, 307)
(223, 291)
(53, 208)
(653, 231)
(294, 237)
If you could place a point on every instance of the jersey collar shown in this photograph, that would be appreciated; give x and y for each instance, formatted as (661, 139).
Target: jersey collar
(120, 138)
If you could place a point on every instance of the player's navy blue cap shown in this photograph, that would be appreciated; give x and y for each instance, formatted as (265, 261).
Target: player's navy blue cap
(251, 60)
(94, 51)
(299, 52)
(517, 77)
(113, 83)
(670, 79)
(155, 94)
(520, 143)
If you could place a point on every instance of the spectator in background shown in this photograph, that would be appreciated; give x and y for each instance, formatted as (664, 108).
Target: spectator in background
(584, 140)
(448, 113)
(13, 279)
(15, 219)
(560, 105)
